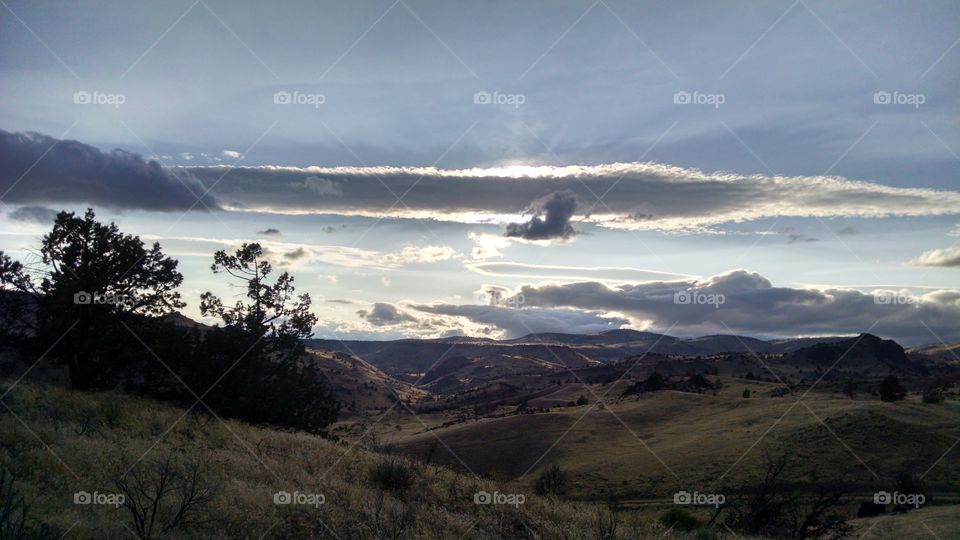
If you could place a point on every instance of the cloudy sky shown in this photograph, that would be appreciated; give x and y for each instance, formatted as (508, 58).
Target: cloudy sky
(429, 168)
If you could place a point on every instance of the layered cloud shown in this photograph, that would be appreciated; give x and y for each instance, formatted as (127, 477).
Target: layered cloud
(739, 302)
(34, 214)
(512, 322)
(746, 302)
(633, 195)
(939, 257)
(383, 314)
(425, 254)
(496, 321)
(569, 273)
(303, 254)
(37, 169)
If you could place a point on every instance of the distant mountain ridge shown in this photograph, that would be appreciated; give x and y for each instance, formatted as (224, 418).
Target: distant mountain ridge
(408, 359)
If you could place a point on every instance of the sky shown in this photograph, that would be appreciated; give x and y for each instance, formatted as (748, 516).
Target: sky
(495, 168)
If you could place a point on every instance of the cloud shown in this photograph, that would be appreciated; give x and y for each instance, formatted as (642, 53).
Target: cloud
(794, 236)
(232, 154)
(383, 314)
(296, 254)
(426, 254)
(939, 257)
(270, 232)
(37, 169)
(286, 253)
(487, 246)
(343, 256)
(34, 214)
(512, 322)
(752, 305)
(569, 273)
(637, 195)
(555, 223)
(848, 231)
(319, 186)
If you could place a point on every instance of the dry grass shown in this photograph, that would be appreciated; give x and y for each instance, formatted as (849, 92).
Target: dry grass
(701, 437)
(98, 436)
(90, 439)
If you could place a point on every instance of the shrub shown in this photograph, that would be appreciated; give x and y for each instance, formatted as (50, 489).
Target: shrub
(13, 511)
(773, 509)
(166, 494)
(680, 518)
(605, 525)
(552, 481)
(932, 395)
(392, 474)
(891, 390)
(746, 393)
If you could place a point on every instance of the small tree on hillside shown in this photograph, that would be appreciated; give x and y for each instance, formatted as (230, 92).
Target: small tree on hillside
(273, 312)
(891, 390)
(552, 481)
(256, 367)
(777, 506)
(654, 382)
(89, 279)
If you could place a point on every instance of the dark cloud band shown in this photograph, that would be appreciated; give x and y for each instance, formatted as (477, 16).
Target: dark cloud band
(37, 169)
(633, 195)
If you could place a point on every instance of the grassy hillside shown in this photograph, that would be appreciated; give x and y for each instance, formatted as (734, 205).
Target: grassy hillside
(700, 437)
(361, 387)
(56, 442)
